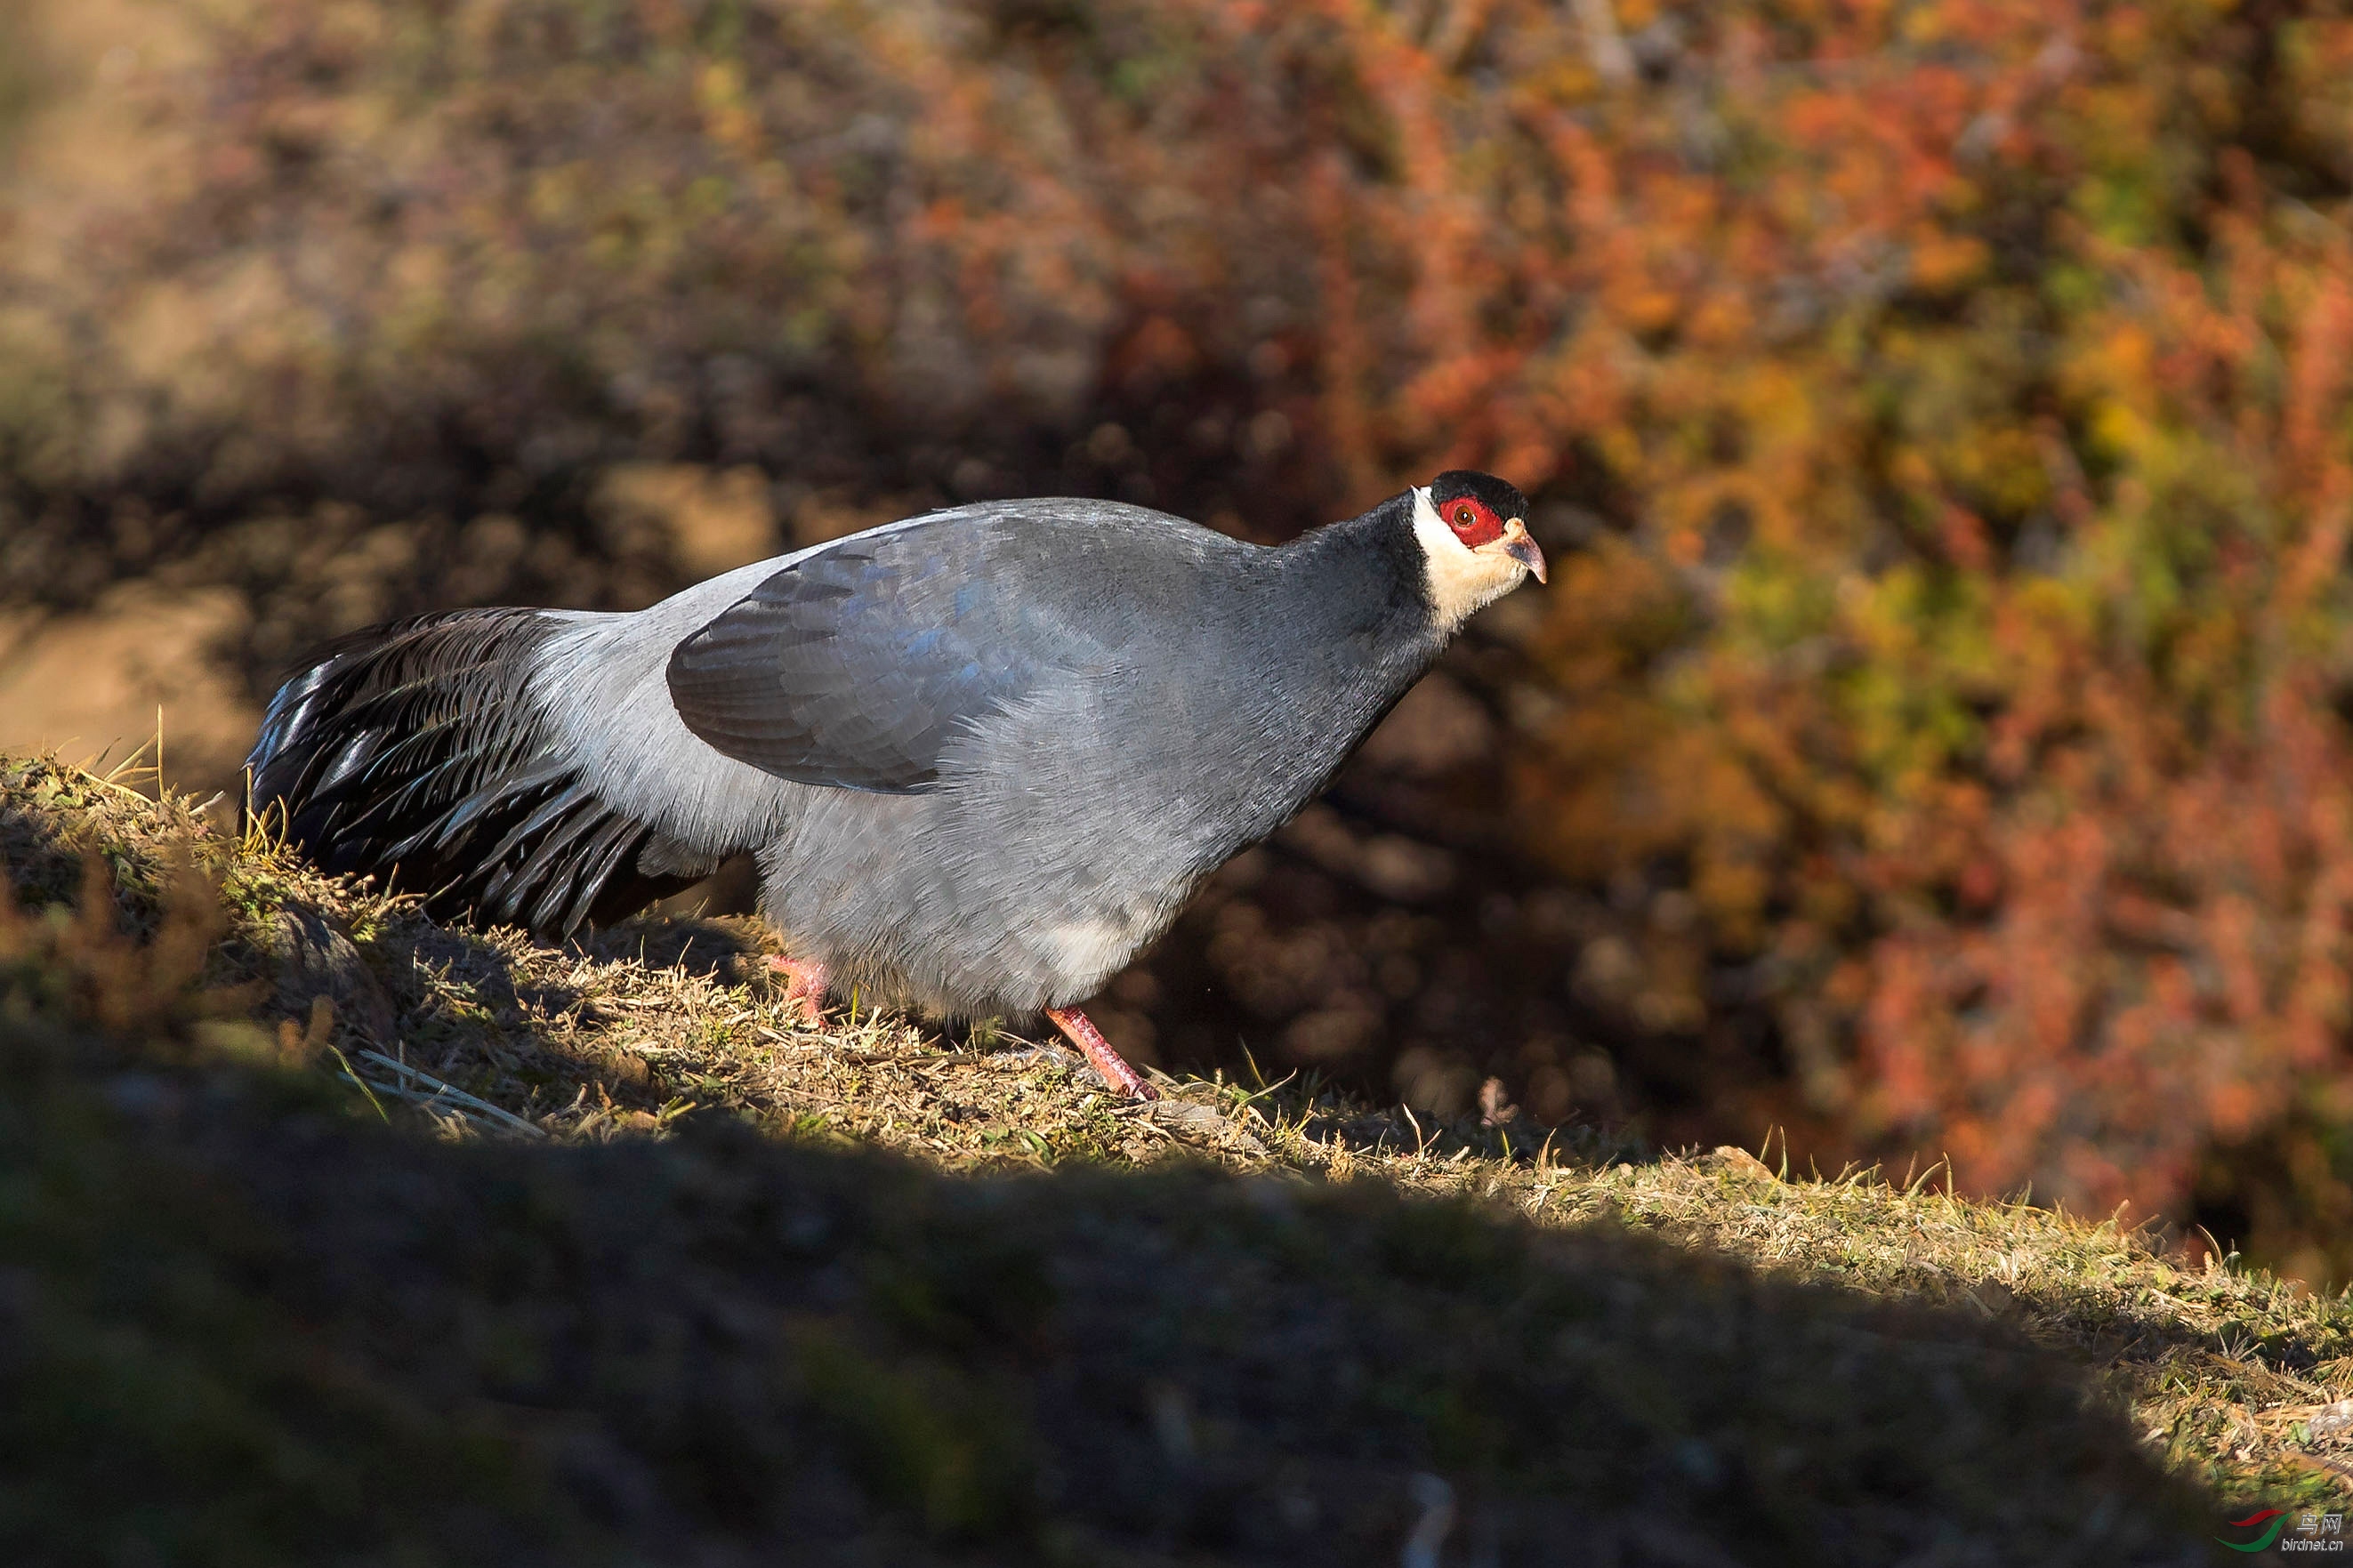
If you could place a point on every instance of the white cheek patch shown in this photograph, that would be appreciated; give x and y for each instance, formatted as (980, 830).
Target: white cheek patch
(1462, 581)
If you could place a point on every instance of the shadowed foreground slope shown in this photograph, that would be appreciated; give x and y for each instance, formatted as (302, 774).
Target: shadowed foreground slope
(245, 1320)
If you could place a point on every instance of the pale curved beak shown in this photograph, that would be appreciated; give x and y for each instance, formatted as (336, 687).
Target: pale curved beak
(1523, 549)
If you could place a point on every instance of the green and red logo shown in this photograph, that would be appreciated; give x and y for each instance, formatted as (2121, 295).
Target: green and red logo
(2271, 1518)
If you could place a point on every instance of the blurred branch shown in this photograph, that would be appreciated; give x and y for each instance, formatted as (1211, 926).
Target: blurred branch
(1604, 46)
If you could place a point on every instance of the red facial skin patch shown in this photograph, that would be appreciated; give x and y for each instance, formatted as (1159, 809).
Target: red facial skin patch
(1473, 522)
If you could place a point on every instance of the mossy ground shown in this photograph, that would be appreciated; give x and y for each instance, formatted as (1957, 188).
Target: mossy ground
(524, 1253)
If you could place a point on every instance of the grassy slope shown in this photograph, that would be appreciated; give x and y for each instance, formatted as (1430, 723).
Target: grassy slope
(676, 1278)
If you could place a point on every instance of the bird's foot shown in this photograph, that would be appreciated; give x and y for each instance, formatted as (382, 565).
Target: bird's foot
(1113, 1066)
(804, 988)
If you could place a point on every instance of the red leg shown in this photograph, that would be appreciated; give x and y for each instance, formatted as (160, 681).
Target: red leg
(1108, 1062)
(804, 986)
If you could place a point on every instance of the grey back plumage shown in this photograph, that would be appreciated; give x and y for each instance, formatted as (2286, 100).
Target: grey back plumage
(856, 666)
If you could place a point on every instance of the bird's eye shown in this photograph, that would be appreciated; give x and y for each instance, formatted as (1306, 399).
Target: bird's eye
(1463, 516)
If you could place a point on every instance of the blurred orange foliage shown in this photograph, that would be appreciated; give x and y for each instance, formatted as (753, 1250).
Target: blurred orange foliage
(1961, 687)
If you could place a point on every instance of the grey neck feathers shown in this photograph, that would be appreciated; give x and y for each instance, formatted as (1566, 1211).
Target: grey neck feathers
(1334, 629)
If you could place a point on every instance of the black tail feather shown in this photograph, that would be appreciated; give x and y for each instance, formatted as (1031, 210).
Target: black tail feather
(413, 752)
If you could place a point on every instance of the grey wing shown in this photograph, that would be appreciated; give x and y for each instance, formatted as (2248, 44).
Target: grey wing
(858, 666)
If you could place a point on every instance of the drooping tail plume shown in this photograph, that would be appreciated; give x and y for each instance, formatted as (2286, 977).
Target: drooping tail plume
(417, 752)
